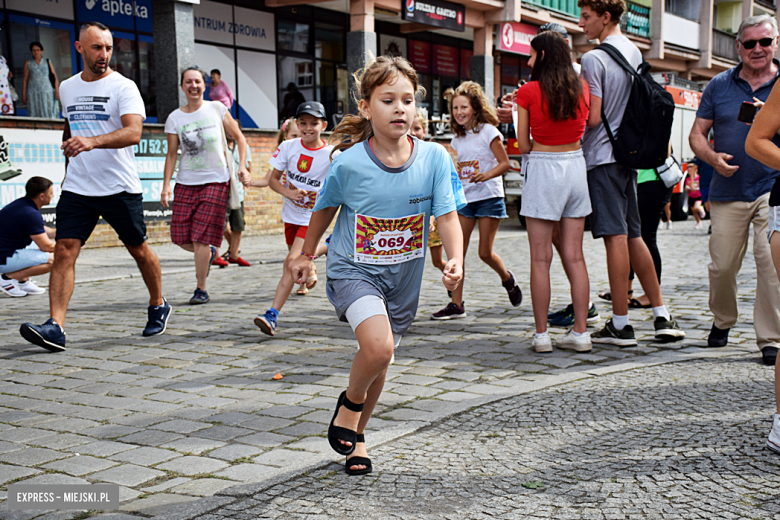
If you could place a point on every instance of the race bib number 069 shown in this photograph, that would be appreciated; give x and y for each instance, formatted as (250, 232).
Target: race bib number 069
(383, 241)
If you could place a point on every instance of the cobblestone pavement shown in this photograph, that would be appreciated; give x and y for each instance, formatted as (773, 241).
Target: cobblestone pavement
(196, 411)
(676, 441)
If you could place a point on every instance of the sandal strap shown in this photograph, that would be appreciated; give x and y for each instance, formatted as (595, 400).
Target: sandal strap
(349, 405)
(361, 438)
(342, 434)
(359, 461)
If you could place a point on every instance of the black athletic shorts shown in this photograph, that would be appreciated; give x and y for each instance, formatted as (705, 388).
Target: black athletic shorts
(77, 216)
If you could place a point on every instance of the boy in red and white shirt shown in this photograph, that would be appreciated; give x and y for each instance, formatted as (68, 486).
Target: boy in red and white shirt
(305, 161)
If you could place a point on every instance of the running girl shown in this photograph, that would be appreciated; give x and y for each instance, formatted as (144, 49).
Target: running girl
(201, 192)
(482, 160)
(553, 107)
(387, 184)
(306, 161)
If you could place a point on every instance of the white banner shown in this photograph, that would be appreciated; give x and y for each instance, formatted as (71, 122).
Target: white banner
(213, 22)
(254, 29)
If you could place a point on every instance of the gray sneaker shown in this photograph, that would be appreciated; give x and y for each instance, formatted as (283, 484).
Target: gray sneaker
(611, 336)
(667, 330)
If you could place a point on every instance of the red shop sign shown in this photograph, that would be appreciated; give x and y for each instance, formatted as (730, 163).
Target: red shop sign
(420, 56)
(445, 60)
(516, 37)
(465, 63)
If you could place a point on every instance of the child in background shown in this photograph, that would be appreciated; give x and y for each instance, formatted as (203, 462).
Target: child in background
(289, 130)
(482, 160)
(694, 194)
(419, 129)
(306, 161)
(387, 185)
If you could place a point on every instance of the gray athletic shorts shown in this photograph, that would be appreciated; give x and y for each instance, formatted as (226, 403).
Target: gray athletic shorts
(555, 186)
(612, 190)
(773, 222)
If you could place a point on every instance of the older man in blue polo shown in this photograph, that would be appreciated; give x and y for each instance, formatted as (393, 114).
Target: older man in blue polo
(739, 192)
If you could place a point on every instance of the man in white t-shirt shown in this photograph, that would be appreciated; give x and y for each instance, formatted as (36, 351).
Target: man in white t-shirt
(104, 116)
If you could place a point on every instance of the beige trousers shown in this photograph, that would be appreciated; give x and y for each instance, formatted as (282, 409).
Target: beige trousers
(728, 245)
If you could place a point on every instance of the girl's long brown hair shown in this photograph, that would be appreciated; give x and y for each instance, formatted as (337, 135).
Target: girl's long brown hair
(356, 128)
(484, 112)
(560, 85)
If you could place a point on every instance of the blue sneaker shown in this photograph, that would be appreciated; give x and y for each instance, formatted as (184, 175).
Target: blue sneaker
(565, 317)
(158, 319)
(49, 335)
(199, 297)
(267, 323)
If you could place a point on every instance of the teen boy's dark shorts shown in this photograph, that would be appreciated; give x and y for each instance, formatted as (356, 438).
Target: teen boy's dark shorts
(77, 216)
(613, 198)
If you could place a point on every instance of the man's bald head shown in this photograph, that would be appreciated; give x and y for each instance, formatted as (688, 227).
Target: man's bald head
(95, 44)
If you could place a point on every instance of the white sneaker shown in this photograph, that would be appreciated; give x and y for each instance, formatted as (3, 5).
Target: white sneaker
(30, 288)
(697, 226)
(542, 343)
(577, 344)
(669, 225)
(11, 288)
(773, 442)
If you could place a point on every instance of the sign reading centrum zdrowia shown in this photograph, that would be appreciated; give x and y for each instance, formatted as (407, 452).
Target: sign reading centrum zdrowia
(437, 13)
(28, 153)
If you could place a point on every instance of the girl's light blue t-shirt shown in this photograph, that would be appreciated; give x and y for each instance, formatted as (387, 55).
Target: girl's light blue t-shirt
(381, 233)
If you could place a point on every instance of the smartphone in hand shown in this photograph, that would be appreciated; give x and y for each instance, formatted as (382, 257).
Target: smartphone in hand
(747, 112)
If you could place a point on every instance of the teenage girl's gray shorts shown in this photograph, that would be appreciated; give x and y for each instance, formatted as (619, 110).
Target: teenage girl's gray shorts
(555, 186)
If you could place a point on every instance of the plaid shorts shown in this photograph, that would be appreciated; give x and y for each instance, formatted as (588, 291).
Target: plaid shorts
(199, 213)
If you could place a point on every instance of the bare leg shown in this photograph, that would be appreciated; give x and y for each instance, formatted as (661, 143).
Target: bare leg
(63, 276)
(467, 225)
(36, 270)
(540, 241)
(228, 234)
(488, 227)
(437, 257)
(149, 265)
(774, 245)
(696, 211)
(668, 211)
(618, 268)
(376, 350)
(234, 243)
(286, 283)
(644, 268)
(574, 263)
(374, 391)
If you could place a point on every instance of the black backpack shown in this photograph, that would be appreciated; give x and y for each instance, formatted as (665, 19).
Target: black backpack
(642, 140)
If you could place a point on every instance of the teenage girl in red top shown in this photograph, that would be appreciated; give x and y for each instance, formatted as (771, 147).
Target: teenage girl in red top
(553, 107)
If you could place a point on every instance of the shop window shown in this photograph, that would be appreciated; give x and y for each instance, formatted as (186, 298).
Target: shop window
(293, 36)
(146, 81)
(329, 42)
(296, 84)
(57, 45)
(304, 75)
(123, 57)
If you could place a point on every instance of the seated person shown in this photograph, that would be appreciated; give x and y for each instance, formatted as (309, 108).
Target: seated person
(23, 225)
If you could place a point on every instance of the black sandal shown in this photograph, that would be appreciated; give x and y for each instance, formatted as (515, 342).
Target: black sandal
(633, 303)
(358, 461)
(337, 433)
(608, 295)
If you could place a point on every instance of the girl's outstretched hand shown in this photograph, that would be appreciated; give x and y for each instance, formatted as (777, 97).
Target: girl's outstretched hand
(453, 274)
(300, 268)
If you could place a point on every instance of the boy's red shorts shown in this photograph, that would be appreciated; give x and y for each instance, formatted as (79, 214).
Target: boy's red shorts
(292, 230)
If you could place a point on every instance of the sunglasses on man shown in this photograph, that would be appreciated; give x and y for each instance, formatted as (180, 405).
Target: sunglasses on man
(764, 42)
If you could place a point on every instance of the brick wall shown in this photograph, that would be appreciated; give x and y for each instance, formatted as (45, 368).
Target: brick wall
(262, 206)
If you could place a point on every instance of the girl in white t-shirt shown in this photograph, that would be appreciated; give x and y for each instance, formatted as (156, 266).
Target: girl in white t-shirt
(201, 192)
(482, 160)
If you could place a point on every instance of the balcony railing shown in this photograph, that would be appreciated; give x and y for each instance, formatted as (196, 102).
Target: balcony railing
(636, 20)
(568, 7)
(723, 45)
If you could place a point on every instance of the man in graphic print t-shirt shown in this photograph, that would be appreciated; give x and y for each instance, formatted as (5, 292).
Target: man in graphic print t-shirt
(104, 116)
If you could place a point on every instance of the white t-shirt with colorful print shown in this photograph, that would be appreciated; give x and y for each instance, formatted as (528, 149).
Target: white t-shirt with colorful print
(474, 156)
(305, 169)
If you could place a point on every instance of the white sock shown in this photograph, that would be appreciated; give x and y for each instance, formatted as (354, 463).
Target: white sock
(619, 322)
(661, 311)
(542, 335)
(575, 333)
